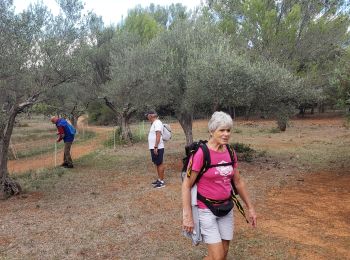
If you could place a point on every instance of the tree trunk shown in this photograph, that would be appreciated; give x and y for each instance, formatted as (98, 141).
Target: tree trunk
(321, 108)
(282, 125)
(8, 187)
(125, 117)
(247, 113)
(126, 134)
(186, 121)
(232, 111)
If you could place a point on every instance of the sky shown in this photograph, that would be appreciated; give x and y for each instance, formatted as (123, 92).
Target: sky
(111, 11)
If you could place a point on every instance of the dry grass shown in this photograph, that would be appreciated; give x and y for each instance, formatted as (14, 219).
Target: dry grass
(105, 208)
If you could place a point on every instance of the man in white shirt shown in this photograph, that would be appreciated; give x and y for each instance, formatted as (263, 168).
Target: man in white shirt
(156, 146)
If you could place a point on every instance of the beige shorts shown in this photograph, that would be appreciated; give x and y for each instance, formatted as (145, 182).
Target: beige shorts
(213, 228)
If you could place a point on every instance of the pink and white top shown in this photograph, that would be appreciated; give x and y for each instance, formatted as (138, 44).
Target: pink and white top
(216, 182)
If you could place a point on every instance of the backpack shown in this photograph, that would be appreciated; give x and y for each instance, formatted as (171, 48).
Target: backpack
(71, 129)
(166, 134)
(190, 150)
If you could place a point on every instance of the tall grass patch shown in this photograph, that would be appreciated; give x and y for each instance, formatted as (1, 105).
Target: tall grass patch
(138, 132)
(43, 179)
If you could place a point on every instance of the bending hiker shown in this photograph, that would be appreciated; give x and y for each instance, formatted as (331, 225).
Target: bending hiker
(66, 132)
(156, 147)
(214, 189)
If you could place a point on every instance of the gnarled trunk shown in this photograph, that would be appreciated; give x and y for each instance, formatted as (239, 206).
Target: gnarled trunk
(125, 117)
(8, 187)
(126, 134)
(186, 120)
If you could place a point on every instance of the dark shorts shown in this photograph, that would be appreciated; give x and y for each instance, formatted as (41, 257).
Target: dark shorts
(157, 159)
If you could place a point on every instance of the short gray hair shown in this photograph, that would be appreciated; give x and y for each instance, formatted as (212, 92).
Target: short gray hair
(220, 119)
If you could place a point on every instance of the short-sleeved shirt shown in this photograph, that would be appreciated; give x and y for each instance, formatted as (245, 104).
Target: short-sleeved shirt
(157, 125)
(216, 181)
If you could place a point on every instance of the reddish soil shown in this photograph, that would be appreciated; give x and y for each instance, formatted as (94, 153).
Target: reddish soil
(306, 212)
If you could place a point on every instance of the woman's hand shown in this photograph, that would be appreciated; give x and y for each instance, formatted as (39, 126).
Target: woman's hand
(252, 217)
(187, 222)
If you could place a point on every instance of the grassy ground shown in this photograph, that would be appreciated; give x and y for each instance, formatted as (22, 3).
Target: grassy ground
(36, 137)
(106, 208)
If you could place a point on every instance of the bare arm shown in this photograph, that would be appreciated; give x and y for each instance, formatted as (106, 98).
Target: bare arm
(158, 134)
(186, 202)
(243, 193)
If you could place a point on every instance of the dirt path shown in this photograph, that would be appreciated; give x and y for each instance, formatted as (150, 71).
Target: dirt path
(93, 211)
(48, 160)
(313, 212)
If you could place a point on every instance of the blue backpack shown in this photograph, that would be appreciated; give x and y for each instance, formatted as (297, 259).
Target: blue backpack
(71, 129)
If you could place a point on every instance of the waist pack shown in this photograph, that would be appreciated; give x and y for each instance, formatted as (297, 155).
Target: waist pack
(219, 208)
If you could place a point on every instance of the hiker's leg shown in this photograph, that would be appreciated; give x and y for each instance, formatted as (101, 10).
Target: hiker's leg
(216, 232)
(65, 154)
(226, 245)
(158, 161)
(215, 252)
(67, 157)
(160, 171)
(218, 251)
(226, 226)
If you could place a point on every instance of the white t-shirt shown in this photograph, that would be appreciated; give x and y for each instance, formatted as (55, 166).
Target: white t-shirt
(157, 125)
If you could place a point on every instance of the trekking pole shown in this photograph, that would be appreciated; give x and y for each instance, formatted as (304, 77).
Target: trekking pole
(114, 133)
(143, 127)
(55, 154)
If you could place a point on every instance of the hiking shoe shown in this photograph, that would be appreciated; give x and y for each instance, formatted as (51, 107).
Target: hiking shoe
(155, 182)
(63, 165)
(159, 185)
(68, 166)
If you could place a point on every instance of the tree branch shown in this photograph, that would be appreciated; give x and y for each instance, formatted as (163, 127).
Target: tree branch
(109, 104)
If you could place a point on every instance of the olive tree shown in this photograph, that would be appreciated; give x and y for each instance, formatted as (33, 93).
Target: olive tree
(221, 78)
(20, 61)
(305, 37)
(38, 54)
(177, 52)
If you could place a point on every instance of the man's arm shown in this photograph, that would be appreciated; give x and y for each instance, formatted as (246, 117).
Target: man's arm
(158, 134)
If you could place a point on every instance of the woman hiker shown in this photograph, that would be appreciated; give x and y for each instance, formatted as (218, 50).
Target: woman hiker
(215, 185)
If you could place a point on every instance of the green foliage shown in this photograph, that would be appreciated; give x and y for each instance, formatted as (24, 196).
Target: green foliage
(340, 83)
(241, 148)
(305, 37)
(99, 114)
(244, 152)
(141, 23)
(44, 109)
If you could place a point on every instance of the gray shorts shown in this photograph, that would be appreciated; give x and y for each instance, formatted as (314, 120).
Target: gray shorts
(213, 228)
